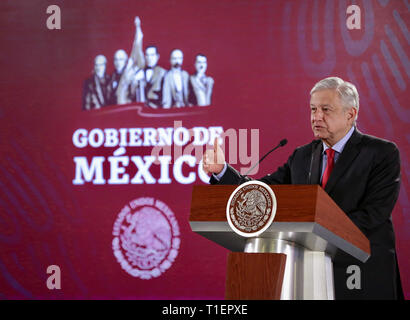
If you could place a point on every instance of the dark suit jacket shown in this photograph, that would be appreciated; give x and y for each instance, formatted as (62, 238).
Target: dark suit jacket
(112, 87)
(365, 184)
(95, 94)
(169, 91)
(153, 88)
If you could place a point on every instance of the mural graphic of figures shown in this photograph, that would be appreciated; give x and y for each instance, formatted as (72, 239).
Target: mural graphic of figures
(139, 78)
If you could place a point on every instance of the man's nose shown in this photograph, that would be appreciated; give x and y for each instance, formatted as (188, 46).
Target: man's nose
(318, 115)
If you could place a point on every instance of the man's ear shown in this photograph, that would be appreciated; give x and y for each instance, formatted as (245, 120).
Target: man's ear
(351, 113)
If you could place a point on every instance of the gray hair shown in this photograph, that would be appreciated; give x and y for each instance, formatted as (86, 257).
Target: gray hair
(100, 57)
(347, 91)
(121, 52)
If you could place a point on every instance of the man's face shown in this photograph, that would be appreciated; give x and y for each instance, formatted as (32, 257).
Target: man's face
(151, 56)
(120, 58)
(329, 119)
(201, 64)
(99, 66)
(176, 58)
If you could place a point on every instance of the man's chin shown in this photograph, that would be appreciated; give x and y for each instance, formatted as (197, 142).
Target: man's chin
(318, 134)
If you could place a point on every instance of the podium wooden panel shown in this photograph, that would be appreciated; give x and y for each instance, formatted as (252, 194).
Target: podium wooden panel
(254, 276)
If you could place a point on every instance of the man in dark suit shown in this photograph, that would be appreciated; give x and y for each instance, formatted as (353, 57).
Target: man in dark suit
(200, 85)
(120, 62)
(95, 93)
(154, 78)
(360, 172)
(176, 91)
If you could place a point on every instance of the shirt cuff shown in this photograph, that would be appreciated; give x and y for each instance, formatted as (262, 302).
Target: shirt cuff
(220, 174)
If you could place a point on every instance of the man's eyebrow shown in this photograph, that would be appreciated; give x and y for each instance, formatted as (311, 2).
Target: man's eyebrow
(321, 105)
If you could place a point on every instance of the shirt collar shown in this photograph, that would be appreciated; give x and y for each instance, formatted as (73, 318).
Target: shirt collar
(339, 146)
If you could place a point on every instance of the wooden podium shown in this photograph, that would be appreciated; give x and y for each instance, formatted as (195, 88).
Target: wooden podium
(292, 259)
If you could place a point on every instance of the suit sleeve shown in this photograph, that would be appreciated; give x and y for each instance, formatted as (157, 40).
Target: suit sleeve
(280, 176)
(121, 92)
(137, 55)
(382, 191)
(86, 96)
(166, 92)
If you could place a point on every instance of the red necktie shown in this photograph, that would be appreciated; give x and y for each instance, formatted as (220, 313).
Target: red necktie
(329, 165)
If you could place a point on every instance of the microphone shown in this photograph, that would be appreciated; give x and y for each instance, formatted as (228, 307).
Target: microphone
(281, 144)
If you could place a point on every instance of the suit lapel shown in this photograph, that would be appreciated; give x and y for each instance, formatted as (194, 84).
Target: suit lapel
(316, 159)
(349, 153)
(185, 78)
(156, 70)
(98, 89)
